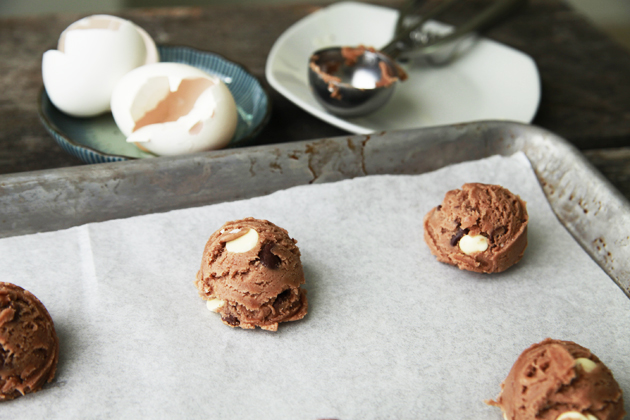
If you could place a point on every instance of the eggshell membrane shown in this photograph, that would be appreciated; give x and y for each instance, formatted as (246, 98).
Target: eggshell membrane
(173, 108)
(93, 54)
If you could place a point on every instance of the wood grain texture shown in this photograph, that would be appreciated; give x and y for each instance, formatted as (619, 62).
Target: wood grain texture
(584, 74)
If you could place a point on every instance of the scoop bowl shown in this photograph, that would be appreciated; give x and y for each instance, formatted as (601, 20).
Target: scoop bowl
(352, 87)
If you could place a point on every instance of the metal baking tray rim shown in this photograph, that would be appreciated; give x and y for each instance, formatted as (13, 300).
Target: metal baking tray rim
(589, 207)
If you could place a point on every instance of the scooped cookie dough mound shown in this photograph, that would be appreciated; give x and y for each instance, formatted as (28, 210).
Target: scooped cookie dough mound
(29, 348)
(251, 275)
(559, 380)
(480, 228)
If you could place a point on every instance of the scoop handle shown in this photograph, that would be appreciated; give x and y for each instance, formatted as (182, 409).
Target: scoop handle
(488, 17)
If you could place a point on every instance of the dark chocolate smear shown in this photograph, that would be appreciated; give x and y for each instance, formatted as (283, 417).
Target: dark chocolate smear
(231, 319)
(282, 298)
(267, 258)
(459, 235)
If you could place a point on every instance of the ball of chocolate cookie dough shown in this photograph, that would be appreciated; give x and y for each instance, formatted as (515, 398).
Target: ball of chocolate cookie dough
(251, 274)
(29, 348)
(559, 380)
(479, 227)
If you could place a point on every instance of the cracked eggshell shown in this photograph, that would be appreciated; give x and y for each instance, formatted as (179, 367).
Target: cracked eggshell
(92, 55)
(172, 108)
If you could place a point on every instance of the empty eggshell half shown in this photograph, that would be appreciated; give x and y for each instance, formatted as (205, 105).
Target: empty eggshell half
(172, 109)
(92, 55)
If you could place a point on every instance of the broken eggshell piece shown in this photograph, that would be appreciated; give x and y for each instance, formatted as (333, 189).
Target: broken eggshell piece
(92, 55)
(172, 108)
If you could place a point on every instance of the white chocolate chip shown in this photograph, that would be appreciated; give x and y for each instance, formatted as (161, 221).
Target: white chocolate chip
(473, 244)
(214, 304)
(243, 243)
(587, 364)
(575, 415)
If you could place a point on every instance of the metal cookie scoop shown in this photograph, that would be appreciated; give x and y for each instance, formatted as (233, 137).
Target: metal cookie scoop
(351, 88)
(352, 82)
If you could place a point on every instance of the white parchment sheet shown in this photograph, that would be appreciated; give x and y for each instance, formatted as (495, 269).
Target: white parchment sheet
(390, 334)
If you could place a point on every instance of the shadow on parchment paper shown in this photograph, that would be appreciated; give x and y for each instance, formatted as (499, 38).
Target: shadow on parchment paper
(311, 286)
(67, 348)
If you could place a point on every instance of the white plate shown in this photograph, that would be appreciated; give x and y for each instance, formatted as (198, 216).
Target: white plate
(490, 82)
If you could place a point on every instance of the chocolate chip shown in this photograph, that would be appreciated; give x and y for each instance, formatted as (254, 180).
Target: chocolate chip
(17, 312)
(41, 354)
(268, 259)
(459, 235)
(231, 319)
(439, 207)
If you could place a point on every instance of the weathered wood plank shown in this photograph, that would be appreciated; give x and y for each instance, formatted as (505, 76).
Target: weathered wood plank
(585, 98)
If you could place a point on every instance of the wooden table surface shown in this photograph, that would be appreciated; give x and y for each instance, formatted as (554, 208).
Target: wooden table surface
(585, 75)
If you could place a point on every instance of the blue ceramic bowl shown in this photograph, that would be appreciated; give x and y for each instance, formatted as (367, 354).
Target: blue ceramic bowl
(98, 139)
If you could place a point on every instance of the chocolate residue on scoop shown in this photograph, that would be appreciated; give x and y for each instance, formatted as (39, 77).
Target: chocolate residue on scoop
(29, 347)
(557, 378)
(350, 57)
(326, 74)
(251, 275)
(352, 54)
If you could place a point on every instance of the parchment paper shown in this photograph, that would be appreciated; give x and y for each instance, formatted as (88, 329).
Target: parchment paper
(390, 334)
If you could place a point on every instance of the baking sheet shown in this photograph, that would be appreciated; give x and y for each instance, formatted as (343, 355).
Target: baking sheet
(391, 333)
(585, 202)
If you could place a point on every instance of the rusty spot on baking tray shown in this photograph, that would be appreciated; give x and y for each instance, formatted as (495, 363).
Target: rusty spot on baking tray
(599, 243)
(252, 163)
(310, 150)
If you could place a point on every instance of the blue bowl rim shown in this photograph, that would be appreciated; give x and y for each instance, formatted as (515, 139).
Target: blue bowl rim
(109, 156)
